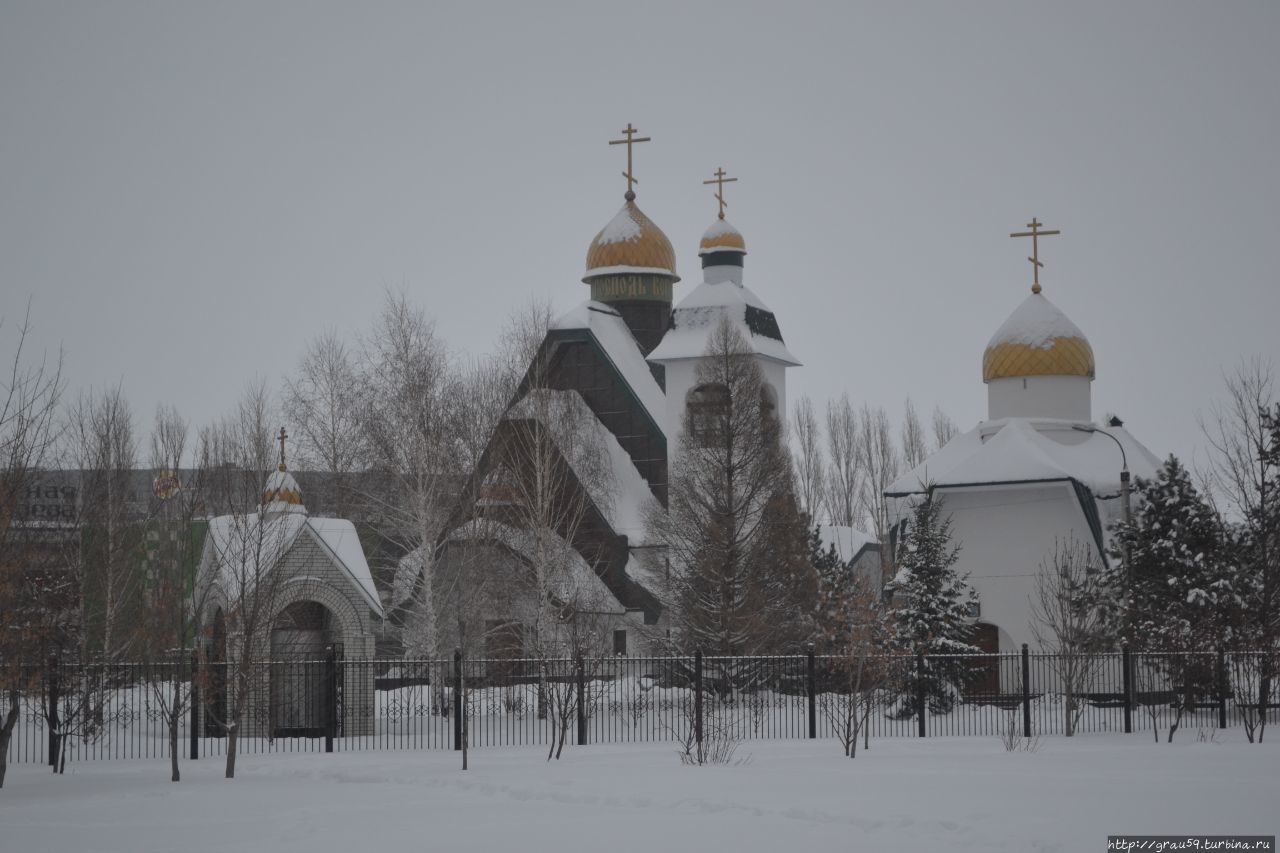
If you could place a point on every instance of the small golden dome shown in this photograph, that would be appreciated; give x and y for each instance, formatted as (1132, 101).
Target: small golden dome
(281, 488)
(631, 243)
(1037, 340)
(722, 237)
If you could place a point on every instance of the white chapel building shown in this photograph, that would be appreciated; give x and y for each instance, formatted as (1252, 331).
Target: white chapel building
(1037, 471)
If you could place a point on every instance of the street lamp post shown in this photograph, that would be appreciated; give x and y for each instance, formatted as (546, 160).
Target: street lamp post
(1124, 489)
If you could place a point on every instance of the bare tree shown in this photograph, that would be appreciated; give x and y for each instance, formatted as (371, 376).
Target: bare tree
(944, 429)
(914, 450)
(168, 625)
(881, 465)
(1243, 433)
(29, 401)
(323, 401)
(1070, 619)
(855, 638)
(105, 558)
(407, 405)
(810, 465)
(845, 474)
(238, 572)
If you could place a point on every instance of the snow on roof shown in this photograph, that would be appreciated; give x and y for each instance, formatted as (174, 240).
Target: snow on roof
(579, 583)
(1037, 322)
(601, 464)
(244, 547)
(340, 538)
(695, 319)
(621, 228)
(1013, 450)
(848, 541)
(719, 228)
(619, 345)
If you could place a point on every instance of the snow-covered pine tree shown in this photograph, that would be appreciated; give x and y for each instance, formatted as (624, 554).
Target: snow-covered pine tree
(1180, 601)
(932, 608)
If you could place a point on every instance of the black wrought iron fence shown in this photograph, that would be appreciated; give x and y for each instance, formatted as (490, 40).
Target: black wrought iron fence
(83, 712)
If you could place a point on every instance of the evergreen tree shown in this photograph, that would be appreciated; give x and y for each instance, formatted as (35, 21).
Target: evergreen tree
(1180, 595)
(932, 608)
(1181, 601)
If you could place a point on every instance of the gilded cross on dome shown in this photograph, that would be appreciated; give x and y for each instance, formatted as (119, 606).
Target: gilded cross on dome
(630, 133)
(1035, 234)
(283, 435)
(720, 180)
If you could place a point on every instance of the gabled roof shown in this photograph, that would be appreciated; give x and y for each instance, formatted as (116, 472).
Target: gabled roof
(1020, 450)
(621, 495)
(248, 545)
(609, 331)
(695, 319)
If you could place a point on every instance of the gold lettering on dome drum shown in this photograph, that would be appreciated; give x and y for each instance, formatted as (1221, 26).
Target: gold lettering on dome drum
(643, 287)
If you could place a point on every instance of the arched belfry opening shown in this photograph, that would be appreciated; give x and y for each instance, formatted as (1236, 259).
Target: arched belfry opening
(707, 406)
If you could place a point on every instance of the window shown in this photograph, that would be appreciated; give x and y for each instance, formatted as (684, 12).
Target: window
(620, 642)
(708, 407)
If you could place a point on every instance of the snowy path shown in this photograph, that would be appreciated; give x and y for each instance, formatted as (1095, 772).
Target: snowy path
(957, 794)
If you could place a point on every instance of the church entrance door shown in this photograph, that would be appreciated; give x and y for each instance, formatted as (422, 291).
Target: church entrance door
(299, 688)
(984, 678)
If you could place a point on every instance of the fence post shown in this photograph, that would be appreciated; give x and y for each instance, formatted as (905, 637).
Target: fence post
(1026, 691)
(52, 711)
(457, 700)
(330, 697)
(921, 693)
(582, 704)
(194, 733)
(813, 696)
(1126, 666)
(1222, 689)
(697, 698)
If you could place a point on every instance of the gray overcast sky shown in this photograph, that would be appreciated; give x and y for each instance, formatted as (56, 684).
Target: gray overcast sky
(192, 191)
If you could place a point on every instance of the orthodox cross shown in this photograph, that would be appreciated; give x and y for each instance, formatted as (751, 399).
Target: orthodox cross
(720, 180)
(630, 133)
(283, 436)
(1035, 234)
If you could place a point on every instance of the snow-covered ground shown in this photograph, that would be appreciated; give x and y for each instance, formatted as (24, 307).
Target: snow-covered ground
(903, 795)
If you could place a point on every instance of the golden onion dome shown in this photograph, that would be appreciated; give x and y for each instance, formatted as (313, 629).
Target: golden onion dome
(1037, 340)
(631, 243)
(722, 237)
(281, 488)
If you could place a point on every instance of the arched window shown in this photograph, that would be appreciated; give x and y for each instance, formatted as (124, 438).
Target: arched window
(768, 409)
(708, 408)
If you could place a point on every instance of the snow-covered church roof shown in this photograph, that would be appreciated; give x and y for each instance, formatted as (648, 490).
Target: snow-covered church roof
(610, 331)
(1017, 450)
(696, 317)
(600, 463)
(242, 548)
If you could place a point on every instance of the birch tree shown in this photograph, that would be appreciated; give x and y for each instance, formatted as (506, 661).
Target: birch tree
(30, 391)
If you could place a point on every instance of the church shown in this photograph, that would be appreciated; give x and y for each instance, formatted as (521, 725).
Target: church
(616, 371)
(1036, 472)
